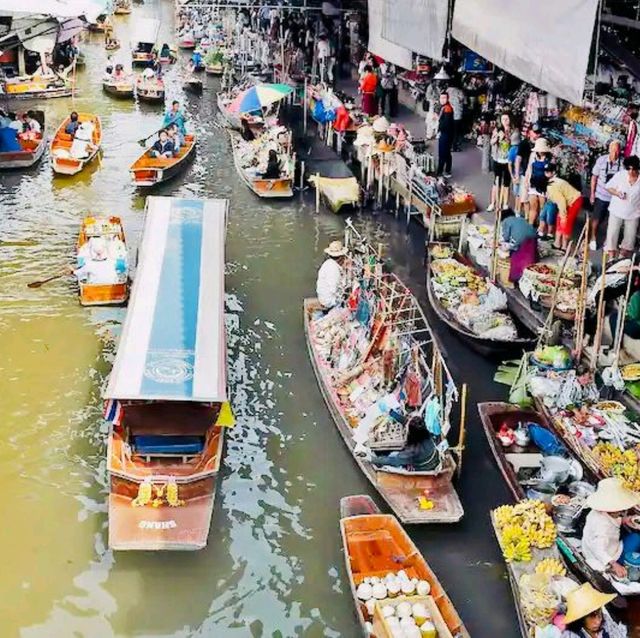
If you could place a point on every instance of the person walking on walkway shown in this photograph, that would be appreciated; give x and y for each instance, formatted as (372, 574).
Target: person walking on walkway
(456, 98)
(624, 208)
(389, 86)
(569, 203)
(604, 169)
(445, 135)
(368, 86)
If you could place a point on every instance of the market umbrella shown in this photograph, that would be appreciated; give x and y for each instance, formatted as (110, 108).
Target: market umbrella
(256, 97)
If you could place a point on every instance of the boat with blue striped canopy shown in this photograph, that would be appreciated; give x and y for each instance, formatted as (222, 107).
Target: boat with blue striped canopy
(166, 400)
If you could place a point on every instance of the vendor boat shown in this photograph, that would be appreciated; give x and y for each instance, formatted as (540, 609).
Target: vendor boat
(63, 160)
(149, 171)
(151, 91)
(214, 68)
(143, 40)
(110, 230)
(375, 544)
(167, 403)
(186, 43)
(36, 88)
(31, 150)
(122, 8)
(337, 191)
(121, 88)
(484, 345)
(424, 495)
(262, 187)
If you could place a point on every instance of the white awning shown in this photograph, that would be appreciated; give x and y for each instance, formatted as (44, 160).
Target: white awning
(378, 45)
(89, 9)
(419, 25)
(550, 49)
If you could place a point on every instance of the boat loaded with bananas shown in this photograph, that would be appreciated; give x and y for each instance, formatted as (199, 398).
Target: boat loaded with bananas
(102, 253)
(387, 387)
(167, 402)
(32, 147)
(473, 307)
(389, 578)
(71, 153)
(149, 171)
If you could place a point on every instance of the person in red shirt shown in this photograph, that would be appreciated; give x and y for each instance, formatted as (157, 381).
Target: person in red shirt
(445, 135)
(368, 86)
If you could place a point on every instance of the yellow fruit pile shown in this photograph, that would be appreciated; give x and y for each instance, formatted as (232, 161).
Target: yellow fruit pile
(551, 566)
(522, 527)
(615, 462)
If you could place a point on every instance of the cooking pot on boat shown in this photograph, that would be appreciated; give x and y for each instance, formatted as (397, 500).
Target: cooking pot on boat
(580, 489)
(542, 492)
(563, 516)
(554, 469)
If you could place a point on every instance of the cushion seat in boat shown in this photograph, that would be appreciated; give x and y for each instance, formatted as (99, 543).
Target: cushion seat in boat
(159, 445)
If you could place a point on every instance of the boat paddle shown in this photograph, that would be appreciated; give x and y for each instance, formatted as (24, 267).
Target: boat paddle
(143, 141)
(37, 284)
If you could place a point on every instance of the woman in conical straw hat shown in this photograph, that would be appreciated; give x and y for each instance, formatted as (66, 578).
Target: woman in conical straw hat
(604, 542)
(586, 617)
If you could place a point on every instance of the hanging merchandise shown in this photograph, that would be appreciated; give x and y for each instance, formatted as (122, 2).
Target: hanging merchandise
(432, 417)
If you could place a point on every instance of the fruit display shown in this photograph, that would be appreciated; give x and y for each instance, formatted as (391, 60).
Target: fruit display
(631, 372)
(523, 527)
(557, 357)
(551, 566)
(616, 462)
(440, 251)
(539, 602)
(408, 617)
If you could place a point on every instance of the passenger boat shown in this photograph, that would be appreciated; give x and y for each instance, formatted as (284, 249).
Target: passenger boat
(31, 149)
(268, 188)
(110, 231)
(63, 160)
(393, 348)
(186, 43)
(143, 40)
(113, 45)
(486, 345)
(167, 404)
(375, 544)
(149, 171)
(120, 88)
(167, 54)
(151, 91)
(122, 7)
(36, 88)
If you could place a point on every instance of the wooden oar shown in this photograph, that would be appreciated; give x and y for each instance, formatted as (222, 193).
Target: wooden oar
(37, 284)
(143, 141)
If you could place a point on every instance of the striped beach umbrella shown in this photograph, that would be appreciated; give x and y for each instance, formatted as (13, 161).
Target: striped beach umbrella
(256, 97)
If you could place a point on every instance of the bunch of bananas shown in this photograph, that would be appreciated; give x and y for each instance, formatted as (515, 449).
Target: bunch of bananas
(551, 566)
(615, 462)
(522, 527)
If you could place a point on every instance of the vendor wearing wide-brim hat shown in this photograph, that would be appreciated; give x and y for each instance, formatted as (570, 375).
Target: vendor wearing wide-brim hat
(329, 283)
(585, 617)
(604, 541)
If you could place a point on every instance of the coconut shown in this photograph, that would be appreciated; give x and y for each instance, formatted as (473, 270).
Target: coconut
(393, 588)
(393, 621)
(408, 588)
(428, 629)
(375, 580)
(423, 588)
(407, 622)
(367, 580)
(370, 605)
(412, 632)
(404, 610)
(420, 613)
(387, 611)
(364, 591)
(402, 575)
(379, 591)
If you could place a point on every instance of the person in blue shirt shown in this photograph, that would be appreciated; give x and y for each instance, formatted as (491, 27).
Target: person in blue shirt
(73, 124)
(512, 156)
(164, 146)
(175, 116)
(196, 61)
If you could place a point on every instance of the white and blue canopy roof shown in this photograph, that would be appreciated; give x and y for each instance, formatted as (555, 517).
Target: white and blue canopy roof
(173, 340)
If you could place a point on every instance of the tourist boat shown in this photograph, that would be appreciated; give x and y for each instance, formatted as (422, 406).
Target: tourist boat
(143, 40)
(188, 42)
(149, 171)
(111, 231)
(167, 54)
(267, 188)
(62, 160)
(166, 400)
(151, 91)
(122, 88)
(113, 45)
(31, 150)
(36, 88)
(122, 7)
(485, 346)
(375, 544)
(415, 495)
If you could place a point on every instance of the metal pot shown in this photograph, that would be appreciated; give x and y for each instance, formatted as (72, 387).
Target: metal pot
(542, 492)
(580, 489)
(554, 469)
(563, 516)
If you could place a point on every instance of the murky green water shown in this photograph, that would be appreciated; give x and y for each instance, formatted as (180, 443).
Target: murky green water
(273, 565)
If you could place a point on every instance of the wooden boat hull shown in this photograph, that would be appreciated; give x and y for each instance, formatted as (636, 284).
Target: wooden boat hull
(486, 347)
(120, 91)
(122, 12)
(187, 44)
(23, 159)
(150, 96)
(112, 47)
(63, 165)
(41, 94)
(147, 172)
(103, 294)
(138, 57)
(375, 544)
(214, 69)
(400, 491)
(266, 188)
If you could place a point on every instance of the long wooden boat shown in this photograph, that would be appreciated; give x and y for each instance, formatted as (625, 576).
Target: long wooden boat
(149, 171)
(38, 88)
(187, 43)
(110, 230)
(119, 88)
(122, 8)
(375, 544)
(486, 346)
(167, 402)
(151, 91)
(262, 187)
(30, 152)
(62, 160)
(217, 68)
(112, 46)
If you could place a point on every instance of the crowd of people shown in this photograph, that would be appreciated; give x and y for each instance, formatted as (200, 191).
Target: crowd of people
(15, 128)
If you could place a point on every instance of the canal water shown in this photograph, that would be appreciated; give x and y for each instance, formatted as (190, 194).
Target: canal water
(273, 566)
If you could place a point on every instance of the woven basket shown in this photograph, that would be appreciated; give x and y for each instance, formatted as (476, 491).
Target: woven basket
(447, 227)
(503, 266)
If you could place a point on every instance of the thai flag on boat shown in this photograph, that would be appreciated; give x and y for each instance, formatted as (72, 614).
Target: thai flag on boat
(113, 411)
